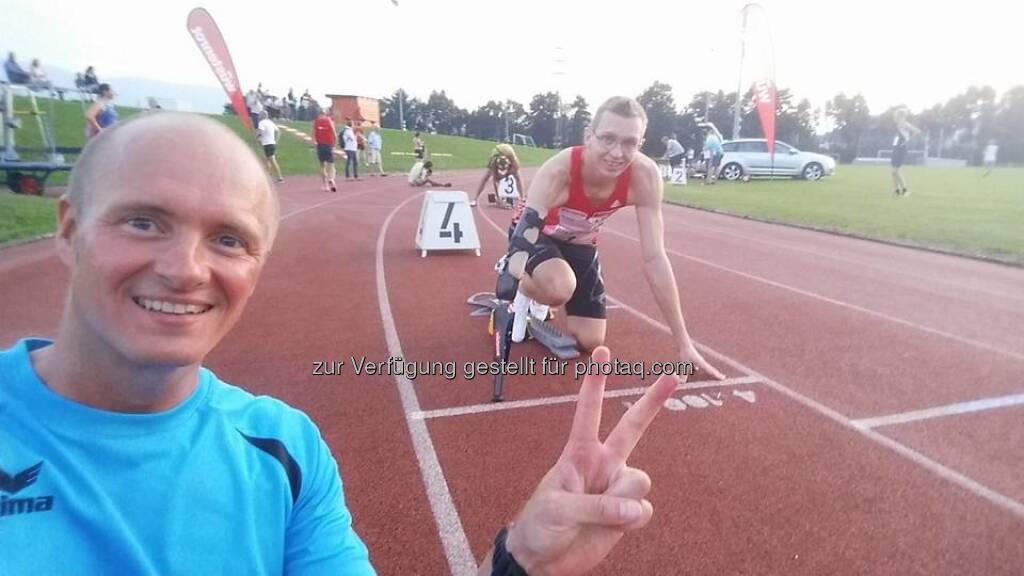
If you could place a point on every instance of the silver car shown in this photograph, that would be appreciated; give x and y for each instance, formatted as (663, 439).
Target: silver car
(750, 157)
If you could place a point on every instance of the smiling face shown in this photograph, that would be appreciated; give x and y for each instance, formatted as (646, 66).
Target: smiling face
(168, 229)
(612, 143)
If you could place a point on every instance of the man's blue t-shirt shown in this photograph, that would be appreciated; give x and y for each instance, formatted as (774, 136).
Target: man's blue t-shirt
(224, 483)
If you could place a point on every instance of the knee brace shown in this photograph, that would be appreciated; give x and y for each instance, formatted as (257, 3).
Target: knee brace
(523, 243)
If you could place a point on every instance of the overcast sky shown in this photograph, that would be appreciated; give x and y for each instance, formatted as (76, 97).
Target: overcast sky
(892, 51)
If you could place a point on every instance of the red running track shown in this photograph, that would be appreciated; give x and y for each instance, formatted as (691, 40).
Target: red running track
(872, 422)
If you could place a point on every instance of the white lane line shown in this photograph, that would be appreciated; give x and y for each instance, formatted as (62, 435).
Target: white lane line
(570, 398)
(307, 138)
(449, 526)
(326, 202)
(413, 154)
(940, 411)
(678, 226)
(948, 474)
(840, 303)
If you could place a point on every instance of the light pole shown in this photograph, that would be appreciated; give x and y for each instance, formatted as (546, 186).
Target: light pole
(401, 113)
(507, 109)
(401, 92)
(736, 117)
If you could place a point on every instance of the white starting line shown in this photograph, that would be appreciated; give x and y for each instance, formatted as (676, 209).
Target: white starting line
(567, 399)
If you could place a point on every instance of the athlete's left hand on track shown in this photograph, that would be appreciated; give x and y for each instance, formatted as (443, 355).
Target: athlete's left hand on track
(590, 498)
(700, 365)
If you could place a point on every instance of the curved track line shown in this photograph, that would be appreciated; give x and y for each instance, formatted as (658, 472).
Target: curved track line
(324, 203)
(453, 537)
(839, 303)
(1002, 501)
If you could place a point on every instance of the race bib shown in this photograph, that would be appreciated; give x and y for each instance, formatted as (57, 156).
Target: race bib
(507, 187)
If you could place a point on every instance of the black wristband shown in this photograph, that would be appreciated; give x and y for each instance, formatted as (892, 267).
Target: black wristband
(502, 563)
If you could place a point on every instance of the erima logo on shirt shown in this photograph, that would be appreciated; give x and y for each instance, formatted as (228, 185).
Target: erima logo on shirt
(16, 483)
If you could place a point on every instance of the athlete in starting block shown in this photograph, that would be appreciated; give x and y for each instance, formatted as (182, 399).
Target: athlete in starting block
(503, 172)
(553, 257)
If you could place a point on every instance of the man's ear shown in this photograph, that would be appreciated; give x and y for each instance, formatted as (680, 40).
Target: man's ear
(588, 133)
(67, 225)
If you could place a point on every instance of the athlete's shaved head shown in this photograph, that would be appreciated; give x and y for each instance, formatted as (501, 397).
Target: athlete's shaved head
(167, 146)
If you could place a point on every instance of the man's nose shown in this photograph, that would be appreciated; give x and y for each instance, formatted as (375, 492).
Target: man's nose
(184, 264)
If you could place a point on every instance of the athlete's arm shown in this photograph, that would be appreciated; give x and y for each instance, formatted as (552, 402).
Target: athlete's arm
(550, 186)
(483, 182)
(519, 181)
(911, 127)
(92, 113)
(647, 191)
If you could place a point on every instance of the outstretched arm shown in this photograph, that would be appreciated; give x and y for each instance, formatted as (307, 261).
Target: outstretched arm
(911, 127)
(92, 113)
(647, 194)
(483, 182)
(550, 186)
(519, 182)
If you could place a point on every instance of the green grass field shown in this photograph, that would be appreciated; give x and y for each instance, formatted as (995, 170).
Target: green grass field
(24, 217)
(464, 152)
(955, 209)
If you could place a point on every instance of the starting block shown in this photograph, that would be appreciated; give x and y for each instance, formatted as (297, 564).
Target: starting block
(446, 223)
(501, 317)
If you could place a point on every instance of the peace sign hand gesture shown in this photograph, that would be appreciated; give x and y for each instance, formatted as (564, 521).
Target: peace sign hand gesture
(590, 498)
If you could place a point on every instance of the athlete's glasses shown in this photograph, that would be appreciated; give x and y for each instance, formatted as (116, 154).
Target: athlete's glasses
(609, 141)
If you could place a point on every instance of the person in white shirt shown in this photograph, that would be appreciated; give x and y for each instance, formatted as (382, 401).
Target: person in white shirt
(676, 156)
(37, 77)
(421, 175)
(991, 152)
(351, 147)
(374, 144)
(266, 133)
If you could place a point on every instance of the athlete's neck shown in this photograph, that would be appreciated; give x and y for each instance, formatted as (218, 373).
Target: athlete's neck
(90, 372)
(596, 181)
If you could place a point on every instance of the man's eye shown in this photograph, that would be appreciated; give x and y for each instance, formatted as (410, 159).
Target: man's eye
(229, 241)
(140, 223)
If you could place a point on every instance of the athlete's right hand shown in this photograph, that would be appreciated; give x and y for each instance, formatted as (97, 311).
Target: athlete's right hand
(700, 365)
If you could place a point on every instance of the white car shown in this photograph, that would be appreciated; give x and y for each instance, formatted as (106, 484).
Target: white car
(750, 157)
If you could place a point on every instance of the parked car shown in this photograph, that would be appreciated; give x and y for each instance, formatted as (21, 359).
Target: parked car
(750, 157)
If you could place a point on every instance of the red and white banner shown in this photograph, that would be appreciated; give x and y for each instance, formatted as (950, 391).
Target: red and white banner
(211, 43)
(766, 97)
(759, 67)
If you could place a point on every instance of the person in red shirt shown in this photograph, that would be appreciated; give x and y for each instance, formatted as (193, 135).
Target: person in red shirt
(326, 140)
(553, 248)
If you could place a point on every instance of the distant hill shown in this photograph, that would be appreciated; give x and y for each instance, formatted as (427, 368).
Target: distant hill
(135, 92)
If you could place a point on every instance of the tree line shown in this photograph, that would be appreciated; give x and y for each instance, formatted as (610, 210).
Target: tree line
(959, 128)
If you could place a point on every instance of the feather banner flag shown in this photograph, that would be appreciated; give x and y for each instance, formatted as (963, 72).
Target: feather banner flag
(759, 50)
(211, 43)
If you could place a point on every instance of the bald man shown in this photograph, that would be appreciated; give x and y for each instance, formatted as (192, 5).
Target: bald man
(120, 451)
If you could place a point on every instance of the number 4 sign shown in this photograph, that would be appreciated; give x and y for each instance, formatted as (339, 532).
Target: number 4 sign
(446, 223)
